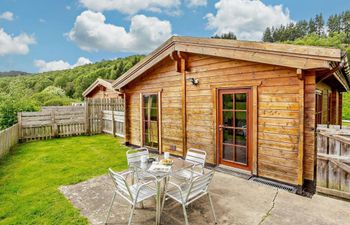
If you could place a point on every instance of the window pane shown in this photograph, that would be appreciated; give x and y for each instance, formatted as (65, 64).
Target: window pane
(146, 126)
(227, 152)
(145, 114)
(147, 139)
(227, 101)
(241, 155)
(241, 101)
(228, 118)
(154, 101)
(154, 114)
(241, 137)
(145, 100)
(228, 136)
(241, 119)
(153, 130)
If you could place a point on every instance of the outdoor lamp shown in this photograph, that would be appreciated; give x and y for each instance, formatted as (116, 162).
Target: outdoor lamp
(193, 81)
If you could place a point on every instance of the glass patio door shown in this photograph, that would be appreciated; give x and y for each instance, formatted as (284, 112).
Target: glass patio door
(234, 128)
(150, 120)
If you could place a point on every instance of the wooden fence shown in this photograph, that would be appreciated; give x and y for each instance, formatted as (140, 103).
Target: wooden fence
(97, 116)
(94, 109)
(113, 123)
(8, 139)
(48, 124)
(333, 161)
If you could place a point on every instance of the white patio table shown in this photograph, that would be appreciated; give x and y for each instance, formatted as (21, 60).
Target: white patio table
(145, 167)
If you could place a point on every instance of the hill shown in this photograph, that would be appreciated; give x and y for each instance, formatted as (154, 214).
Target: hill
(13, 73)
(29, 93)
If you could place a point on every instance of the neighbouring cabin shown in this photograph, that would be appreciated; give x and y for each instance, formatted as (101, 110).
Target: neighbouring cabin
(101, 88)
(251, 106)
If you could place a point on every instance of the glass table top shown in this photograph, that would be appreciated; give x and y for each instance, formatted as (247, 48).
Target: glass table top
(178, 164)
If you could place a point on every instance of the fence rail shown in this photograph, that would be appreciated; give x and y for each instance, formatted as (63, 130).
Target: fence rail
(97, 116)
(8, 138)
(333, 161)
(51, 123)
(113, 122)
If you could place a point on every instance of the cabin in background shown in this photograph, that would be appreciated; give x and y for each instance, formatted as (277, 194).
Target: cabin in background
(101, 88)
(251, 106)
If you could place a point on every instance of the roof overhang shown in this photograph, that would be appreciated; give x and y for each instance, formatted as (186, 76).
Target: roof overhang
(98, 82)
(292, 56)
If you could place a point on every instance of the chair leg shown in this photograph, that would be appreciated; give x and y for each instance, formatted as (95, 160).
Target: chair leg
(110, 207)
(131, 213)
(212, 208)
(162, 207)
(185, 213)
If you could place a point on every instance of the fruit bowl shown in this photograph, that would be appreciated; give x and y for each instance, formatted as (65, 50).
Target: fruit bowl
(166, 161)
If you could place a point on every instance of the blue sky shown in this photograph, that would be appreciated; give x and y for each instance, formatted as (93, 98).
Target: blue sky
(42, 35)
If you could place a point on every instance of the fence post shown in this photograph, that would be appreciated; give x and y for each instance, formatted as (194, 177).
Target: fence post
(113, 124)
(54, 125)
(19, 119)
(87, 121)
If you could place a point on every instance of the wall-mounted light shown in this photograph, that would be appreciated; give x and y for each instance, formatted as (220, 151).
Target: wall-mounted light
(193, 81)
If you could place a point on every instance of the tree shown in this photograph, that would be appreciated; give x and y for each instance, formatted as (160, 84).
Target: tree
(345, 25)
(312, 26)
(229, 35)
(267, 36)
(334, 24)
(301, 28)
(319, 23)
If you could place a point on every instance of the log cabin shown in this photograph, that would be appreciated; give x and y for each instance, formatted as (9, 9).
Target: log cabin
(101, 88)
(251, 106)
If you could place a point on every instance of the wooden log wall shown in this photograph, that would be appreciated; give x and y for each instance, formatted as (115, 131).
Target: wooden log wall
(278, 111)
(309, 126)
(8, 139)
(333, 161)
(279, 105)
(162, 79)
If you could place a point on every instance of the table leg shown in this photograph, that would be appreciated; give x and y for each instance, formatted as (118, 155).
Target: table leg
(158, 202)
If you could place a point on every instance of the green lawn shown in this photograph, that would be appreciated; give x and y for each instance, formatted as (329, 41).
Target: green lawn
(31, 174)
(346, 124)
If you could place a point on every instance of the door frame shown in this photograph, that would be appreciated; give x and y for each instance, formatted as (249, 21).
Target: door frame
(158, 94)
(251, 129)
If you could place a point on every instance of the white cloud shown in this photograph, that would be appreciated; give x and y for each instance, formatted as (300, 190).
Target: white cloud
(7, 16)
(82, 61)
(59, 64)
(68, 7)
(91, 33)
(195, 3)
(246, 18)
(41, 20)
(130, 7)
(10, 44)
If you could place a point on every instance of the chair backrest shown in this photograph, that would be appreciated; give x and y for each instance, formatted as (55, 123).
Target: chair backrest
(135, 155)
(196, 156)
(121, 184)
(199, 185)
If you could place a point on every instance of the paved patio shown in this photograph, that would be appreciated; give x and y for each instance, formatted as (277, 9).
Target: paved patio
(236, 201)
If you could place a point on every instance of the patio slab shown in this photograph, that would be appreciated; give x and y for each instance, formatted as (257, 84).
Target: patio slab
(236, 201)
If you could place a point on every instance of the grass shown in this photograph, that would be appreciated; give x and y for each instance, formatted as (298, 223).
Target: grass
(31, 174)
(346, 124)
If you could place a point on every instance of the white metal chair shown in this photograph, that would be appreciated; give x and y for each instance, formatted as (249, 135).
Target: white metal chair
(133, 194)
(197, 157)
(135, 155)
(197, 188)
